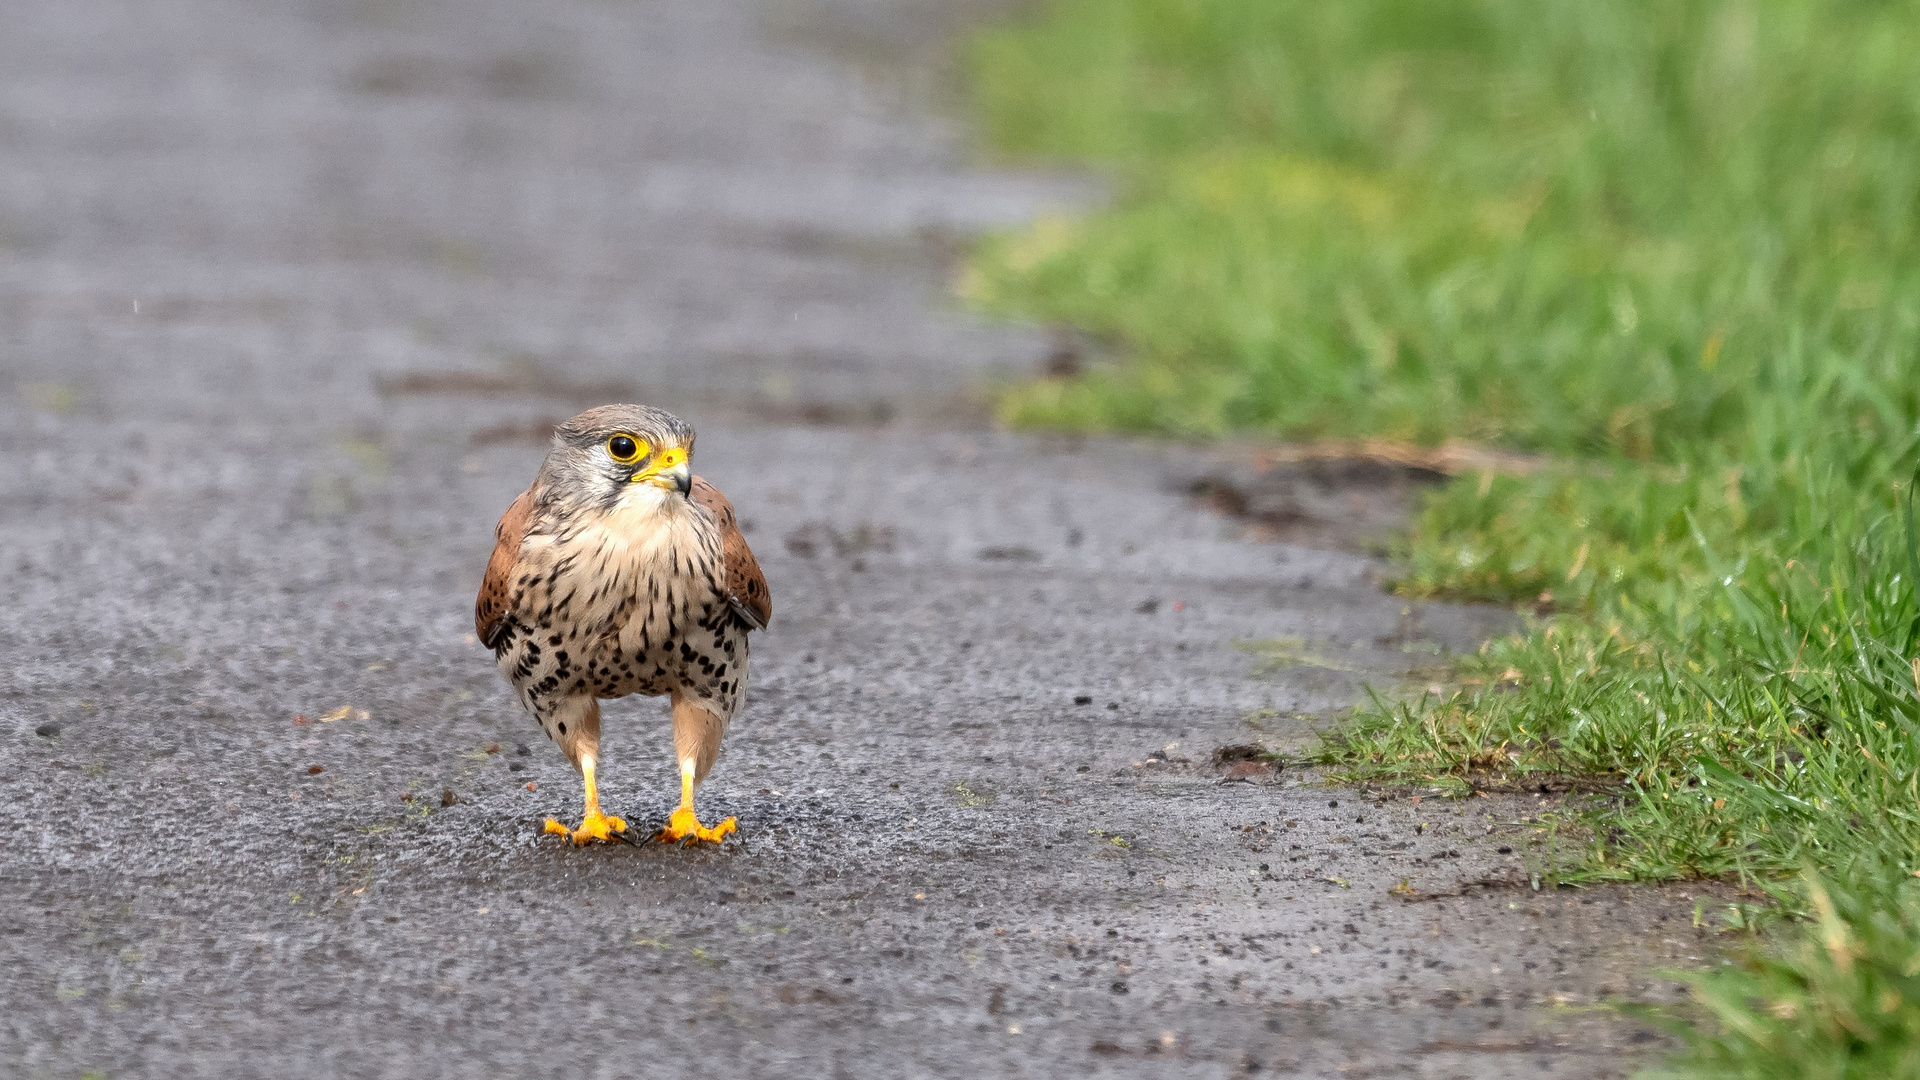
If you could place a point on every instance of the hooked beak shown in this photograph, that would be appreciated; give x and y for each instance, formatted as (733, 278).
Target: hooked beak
(669, 472)
(676, 477)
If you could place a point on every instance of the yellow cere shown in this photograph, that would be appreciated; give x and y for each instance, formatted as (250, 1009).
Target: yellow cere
(669, 458)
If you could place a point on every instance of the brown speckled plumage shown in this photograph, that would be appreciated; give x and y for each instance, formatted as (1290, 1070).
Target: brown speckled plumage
(608, 580)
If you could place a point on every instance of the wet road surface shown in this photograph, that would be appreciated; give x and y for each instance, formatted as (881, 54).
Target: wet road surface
(292, 292)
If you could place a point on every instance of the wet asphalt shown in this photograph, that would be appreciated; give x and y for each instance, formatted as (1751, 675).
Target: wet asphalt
(292, 291)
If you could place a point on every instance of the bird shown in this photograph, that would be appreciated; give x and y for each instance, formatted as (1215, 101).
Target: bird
(620, 572)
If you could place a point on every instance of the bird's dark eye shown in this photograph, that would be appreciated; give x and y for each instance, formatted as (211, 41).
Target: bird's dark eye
(625, 449)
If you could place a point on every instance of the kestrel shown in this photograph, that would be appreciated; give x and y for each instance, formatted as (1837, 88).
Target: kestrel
(620, 572)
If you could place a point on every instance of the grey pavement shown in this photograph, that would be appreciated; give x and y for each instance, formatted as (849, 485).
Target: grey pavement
(290, 293)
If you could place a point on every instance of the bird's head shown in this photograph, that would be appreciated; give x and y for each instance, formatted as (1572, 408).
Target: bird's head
(619, 456)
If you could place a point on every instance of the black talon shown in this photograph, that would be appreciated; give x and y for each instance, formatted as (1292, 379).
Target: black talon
(626, 837)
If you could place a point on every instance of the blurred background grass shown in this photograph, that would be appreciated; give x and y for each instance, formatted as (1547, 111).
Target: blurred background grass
(1669, 247)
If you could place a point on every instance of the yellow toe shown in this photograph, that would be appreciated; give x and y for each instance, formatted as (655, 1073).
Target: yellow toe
(683, 826)
(596, 826)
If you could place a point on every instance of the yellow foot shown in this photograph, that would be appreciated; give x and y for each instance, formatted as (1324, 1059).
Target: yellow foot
(684, 826)
(597, 826)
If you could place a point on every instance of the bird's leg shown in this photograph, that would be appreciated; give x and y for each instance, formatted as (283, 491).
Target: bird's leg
(595, 825)
(684, 825)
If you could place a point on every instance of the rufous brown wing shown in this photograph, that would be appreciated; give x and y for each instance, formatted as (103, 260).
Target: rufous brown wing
(746, 585)
(490, 608)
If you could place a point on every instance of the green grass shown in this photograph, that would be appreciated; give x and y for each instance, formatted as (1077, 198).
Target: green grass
(1673, 248)
(1841, 1003)
(1673, 238)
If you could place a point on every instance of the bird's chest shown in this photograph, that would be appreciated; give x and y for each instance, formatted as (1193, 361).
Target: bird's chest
(640, 591)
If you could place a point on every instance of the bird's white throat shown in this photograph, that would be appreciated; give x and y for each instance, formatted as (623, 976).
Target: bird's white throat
(650, 527)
